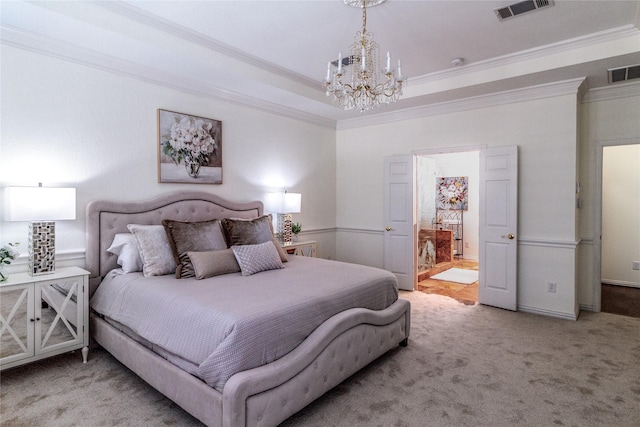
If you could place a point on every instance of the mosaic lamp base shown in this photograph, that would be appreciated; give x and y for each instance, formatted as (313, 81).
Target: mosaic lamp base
(42, 248)
(284, 227)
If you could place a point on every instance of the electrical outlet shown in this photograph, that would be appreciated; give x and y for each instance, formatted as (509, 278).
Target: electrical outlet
(551, 287)
(467, 245)
(635, 265)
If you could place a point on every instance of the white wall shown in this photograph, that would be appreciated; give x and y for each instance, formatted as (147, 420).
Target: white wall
(545, 130)
(621, 215)
(69, 125)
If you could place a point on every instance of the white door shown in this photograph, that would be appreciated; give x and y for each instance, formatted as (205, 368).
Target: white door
(498, 227)
(399, 219)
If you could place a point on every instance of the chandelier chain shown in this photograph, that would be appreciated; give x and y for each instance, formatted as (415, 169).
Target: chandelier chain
(364, 17)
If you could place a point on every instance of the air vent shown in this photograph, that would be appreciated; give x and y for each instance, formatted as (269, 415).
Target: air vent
(624, 74)
(521, 7)
(347, 61)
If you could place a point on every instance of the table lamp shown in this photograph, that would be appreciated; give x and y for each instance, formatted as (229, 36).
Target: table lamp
(284, 204)
(41, 206)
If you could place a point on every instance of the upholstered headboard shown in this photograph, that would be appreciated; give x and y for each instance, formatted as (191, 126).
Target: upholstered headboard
(107, 218)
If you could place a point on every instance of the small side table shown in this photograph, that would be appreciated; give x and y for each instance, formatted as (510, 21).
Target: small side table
(301, 248)
(44, 315)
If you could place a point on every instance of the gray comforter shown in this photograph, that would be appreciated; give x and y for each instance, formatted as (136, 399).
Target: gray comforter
(230, 323)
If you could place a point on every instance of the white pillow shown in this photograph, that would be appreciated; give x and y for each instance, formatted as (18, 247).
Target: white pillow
(155, 252)
(125, 247)
(256, 258)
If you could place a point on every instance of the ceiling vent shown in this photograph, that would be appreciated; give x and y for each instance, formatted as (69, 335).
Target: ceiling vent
(521, 7)
(624, 74)
(347, 61)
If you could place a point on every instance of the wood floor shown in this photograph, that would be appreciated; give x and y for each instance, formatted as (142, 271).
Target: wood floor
(466, 294)
(615, 299)
(620, 300)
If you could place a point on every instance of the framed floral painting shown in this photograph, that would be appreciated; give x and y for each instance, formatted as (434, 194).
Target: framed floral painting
(452, 193)
(189, 149)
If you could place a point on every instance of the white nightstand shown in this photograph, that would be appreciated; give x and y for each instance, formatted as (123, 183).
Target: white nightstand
(302, 248)
(43, 315)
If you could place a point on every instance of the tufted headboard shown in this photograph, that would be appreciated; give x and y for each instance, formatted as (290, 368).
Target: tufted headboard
(107, 218)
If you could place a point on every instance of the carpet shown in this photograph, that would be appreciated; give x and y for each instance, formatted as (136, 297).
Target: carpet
(457, 275)
(466, 365)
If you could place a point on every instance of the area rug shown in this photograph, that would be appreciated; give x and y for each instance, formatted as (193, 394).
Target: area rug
(457, 275)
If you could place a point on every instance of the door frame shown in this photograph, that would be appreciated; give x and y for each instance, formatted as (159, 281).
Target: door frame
(433, 152)
(597, 216)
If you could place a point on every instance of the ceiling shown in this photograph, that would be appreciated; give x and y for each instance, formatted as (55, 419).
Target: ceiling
(272, 55)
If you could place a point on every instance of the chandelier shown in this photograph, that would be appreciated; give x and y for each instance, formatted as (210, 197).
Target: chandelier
(356, 81)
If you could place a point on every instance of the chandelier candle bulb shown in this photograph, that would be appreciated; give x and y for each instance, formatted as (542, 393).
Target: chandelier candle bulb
(388, 62)
(399, 70)
(340, 63)
(363, 60)
(328, 71)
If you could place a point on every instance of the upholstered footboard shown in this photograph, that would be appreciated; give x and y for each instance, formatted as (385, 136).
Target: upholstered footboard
(268, 395)
(337, 349)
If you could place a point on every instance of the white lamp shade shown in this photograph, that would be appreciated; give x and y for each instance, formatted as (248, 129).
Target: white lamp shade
(283, 202)
(39, 203)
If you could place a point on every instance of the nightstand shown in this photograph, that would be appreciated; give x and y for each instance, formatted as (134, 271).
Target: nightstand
(302, 248)
(44, 315)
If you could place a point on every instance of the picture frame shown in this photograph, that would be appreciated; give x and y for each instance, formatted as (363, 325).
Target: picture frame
(452, 192)
(189, 149)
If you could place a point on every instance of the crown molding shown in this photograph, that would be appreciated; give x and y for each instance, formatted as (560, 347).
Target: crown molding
(534, 53)
(548, 90)
(136, 14)
(607, 93)
(32, 42)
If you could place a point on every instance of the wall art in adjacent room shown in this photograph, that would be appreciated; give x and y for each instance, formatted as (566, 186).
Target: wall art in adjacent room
(452, 193)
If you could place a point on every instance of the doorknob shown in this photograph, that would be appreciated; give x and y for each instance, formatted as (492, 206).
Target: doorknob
(388, 228)
(509, 236)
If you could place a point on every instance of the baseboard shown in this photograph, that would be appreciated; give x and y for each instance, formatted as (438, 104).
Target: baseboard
(584, 307)
(550, 313)
(620, 283)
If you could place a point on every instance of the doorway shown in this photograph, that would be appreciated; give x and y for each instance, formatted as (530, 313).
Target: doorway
(620, 253)
(447, 221)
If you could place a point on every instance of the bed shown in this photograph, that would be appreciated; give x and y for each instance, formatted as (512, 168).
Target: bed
(288, 376)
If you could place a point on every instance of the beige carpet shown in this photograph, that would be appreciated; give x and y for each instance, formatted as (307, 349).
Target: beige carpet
(466, 365)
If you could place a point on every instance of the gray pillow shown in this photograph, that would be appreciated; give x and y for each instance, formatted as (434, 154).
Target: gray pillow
(213, 263)
(157, 259)
(192, 237)
(251, 232)
(256, 258)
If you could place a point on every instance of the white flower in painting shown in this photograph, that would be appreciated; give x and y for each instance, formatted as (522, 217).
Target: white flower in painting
(191, 140)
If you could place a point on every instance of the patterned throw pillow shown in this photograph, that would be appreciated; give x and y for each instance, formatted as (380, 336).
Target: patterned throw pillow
(256, 258)
(157, 259)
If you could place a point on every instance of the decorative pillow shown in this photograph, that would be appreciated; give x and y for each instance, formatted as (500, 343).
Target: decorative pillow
(195, 237)
(251, 232)
(256, 258)
(213, 263)
(125, 247)
(157, 259)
